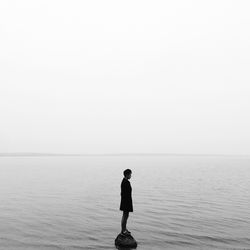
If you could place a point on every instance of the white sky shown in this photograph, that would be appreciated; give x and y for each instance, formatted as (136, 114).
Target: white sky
(125, 76)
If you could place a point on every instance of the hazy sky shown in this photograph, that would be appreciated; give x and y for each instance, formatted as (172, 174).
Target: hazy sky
(125, 76)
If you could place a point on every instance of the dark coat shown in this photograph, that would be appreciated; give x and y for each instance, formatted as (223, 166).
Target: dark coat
(126, 196)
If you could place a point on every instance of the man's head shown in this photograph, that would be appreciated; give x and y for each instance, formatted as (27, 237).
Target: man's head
(127, 173)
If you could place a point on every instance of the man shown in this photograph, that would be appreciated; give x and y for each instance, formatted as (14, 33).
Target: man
(126, 200)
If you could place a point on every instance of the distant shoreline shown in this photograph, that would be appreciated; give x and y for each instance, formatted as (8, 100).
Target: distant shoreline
(117, 155)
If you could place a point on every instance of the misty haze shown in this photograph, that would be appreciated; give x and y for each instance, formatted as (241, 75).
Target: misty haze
(91, 88)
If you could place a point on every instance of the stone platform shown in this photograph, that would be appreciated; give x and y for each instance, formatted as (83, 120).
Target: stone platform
(126, 241)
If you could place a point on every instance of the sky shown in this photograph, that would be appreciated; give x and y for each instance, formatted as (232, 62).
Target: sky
(125, 76)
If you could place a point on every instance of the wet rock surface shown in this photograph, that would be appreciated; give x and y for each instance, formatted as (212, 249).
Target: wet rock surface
(126, 241)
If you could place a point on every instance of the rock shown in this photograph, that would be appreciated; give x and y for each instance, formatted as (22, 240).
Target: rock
(125, 241)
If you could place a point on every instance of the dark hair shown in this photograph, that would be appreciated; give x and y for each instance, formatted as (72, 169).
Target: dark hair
(127, 172)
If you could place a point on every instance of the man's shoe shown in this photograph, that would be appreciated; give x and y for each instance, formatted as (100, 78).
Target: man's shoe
(123, 234)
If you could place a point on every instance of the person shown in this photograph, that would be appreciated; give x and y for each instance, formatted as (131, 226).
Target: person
(126, 204)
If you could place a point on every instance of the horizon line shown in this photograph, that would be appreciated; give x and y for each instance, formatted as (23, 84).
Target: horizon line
(34, 154)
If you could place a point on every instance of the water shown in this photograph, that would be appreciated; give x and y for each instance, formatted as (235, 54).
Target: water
(73, 202)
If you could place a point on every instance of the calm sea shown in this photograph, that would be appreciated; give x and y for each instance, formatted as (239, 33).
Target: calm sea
(73, 202)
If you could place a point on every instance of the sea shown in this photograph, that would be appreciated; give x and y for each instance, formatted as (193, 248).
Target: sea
(72, 202)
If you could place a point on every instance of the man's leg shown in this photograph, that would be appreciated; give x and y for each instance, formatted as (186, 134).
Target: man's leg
(124, 220)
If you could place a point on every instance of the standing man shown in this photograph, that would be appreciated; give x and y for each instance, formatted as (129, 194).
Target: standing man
(126, 200)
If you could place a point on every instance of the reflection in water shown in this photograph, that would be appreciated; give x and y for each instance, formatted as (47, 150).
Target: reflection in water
(125, 248)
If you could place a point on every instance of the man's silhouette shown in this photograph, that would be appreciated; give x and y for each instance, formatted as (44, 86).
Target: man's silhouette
(126, 200)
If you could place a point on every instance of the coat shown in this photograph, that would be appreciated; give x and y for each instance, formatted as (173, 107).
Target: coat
(126, 196)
